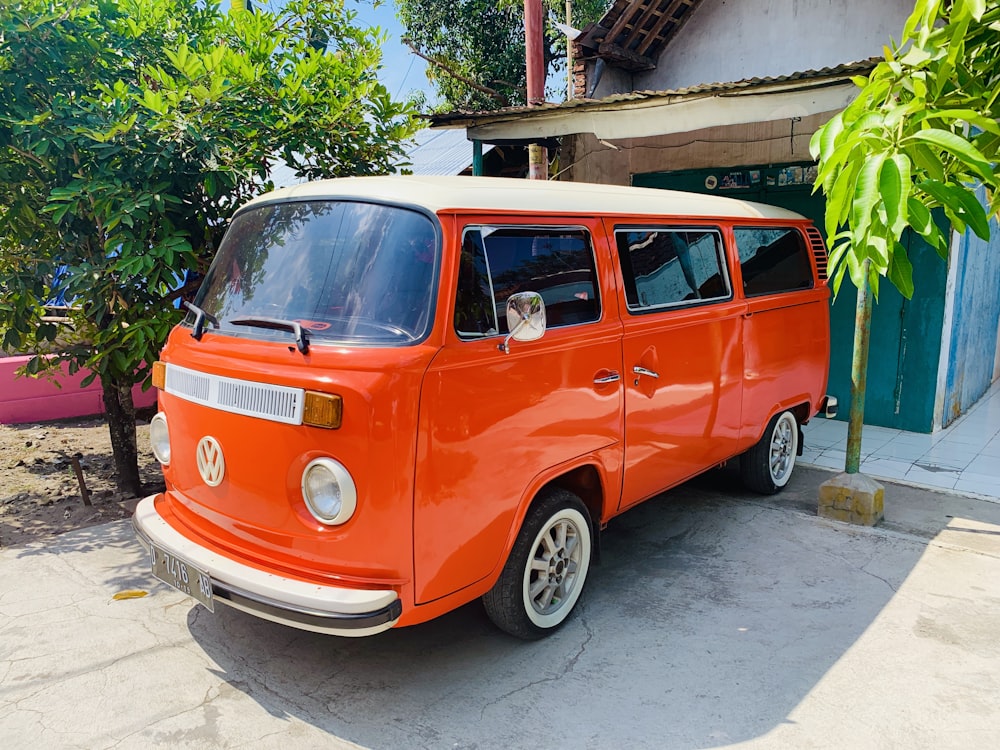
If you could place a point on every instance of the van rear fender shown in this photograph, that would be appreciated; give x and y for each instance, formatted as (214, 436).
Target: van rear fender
(798, 406)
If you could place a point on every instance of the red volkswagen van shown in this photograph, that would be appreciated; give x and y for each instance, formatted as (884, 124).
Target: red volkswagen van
(394, 395)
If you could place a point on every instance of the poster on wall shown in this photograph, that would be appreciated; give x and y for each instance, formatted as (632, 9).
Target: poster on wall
(745, 179)
(735, 180)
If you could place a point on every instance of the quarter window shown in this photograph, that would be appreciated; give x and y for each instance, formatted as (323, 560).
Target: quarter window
(497, 262)
(665, 267)
(773, 259)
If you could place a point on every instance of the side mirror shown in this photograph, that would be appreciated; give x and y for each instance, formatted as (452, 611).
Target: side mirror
(525, 318)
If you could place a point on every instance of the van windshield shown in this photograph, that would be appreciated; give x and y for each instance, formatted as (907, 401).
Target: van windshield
(344, 271)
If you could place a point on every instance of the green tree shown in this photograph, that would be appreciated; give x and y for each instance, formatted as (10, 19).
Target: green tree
(922, 134)
(476, 47)
(130, 130)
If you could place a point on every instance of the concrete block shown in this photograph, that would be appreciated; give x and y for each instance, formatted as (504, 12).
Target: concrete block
(852, 498)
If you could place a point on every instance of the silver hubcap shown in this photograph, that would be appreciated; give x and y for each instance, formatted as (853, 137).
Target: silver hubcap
(554, 566)
(782, 448)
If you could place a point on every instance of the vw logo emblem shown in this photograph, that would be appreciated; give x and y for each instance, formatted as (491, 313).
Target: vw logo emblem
(211, 464)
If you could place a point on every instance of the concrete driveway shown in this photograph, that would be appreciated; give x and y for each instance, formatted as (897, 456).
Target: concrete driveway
(715, 619)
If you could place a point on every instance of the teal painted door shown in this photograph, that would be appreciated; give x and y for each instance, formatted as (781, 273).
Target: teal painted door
(906, 334)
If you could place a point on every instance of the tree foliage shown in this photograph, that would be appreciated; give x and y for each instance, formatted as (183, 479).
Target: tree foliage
(130, 130)
(922, 134)
(476, 47)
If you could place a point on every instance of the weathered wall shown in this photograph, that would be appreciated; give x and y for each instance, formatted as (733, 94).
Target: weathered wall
(730, 40)
(27, 399)
(975, 320)
(586, 159)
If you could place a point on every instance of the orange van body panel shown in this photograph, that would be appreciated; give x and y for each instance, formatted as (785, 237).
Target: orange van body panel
(783, 336)
(688, 418)
(258, 516)
(787, 344)
(491, 423)
(449, 441)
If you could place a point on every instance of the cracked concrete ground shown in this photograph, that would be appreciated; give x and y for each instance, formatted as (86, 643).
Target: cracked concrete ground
(715, 618)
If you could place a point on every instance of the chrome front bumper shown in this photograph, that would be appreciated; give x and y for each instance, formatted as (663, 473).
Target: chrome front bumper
(307, 606)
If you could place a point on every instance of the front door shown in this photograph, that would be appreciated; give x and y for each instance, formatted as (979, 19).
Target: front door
(492, 423)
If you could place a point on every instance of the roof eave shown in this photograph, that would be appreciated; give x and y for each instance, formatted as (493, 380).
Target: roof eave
(664, 112)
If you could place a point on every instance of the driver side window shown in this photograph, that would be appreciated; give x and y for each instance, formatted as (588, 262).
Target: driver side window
(496, 262)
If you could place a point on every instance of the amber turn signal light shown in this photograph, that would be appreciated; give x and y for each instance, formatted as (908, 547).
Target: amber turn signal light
(322, 410)
(159, 374)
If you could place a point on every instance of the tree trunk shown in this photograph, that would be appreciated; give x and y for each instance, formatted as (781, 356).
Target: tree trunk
(121, 426)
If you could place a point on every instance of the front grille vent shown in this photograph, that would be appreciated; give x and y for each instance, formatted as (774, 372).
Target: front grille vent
(277, 403)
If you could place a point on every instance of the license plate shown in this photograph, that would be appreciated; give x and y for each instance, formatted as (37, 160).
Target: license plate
(182, 575)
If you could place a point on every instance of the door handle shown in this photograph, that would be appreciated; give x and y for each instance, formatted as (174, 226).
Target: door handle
(643, 371)
(611, 377)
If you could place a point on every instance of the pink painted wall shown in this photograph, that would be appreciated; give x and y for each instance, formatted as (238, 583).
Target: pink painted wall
(26, 399)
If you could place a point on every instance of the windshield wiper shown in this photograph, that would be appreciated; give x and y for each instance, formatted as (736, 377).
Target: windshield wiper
(277, 324)
(200, 316)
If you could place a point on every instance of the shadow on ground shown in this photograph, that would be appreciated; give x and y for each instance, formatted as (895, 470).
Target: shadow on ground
(712, 615)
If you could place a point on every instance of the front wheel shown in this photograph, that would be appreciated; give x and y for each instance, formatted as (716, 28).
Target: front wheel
(767, 466)
(547, 568)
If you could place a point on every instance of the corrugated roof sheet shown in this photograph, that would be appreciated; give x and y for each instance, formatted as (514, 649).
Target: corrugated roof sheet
(440, 152)
(432, 152)
(811, 77)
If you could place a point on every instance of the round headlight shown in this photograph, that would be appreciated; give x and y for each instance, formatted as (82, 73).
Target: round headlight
(329, 491)
(159, 438)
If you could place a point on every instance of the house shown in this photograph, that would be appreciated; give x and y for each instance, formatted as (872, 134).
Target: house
(722, 96)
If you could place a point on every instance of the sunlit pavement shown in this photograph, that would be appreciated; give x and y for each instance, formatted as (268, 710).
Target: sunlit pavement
(964, 457)
(716, 618)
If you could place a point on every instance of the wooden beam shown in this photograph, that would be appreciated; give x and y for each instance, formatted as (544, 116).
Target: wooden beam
(668, 15)
(651, 9)
(623, 20)
(624, 57)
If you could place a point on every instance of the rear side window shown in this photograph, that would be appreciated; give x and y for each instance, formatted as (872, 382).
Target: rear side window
(773, 259)
(497, 262)
(666, 267)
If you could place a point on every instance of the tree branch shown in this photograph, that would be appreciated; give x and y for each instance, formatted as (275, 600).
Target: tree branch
(188, 288)
(29, 156)
(455, 74)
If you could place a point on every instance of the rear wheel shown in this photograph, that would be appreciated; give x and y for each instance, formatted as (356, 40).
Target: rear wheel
(547, 568)
(767, 467)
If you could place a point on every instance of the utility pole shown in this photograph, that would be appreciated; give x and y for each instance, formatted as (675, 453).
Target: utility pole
(535, 63)
(569, 51)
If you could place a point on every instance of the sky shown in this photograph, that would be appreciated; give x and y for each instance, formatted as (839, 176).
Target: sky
(402, 71)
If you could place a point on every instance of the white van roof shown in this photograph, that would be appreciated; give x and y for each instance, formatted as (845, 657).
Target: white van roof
(441, 194)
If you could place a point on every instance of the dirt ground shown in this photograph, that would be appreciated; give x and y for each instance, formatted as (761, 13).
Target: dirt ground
(39, 492)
